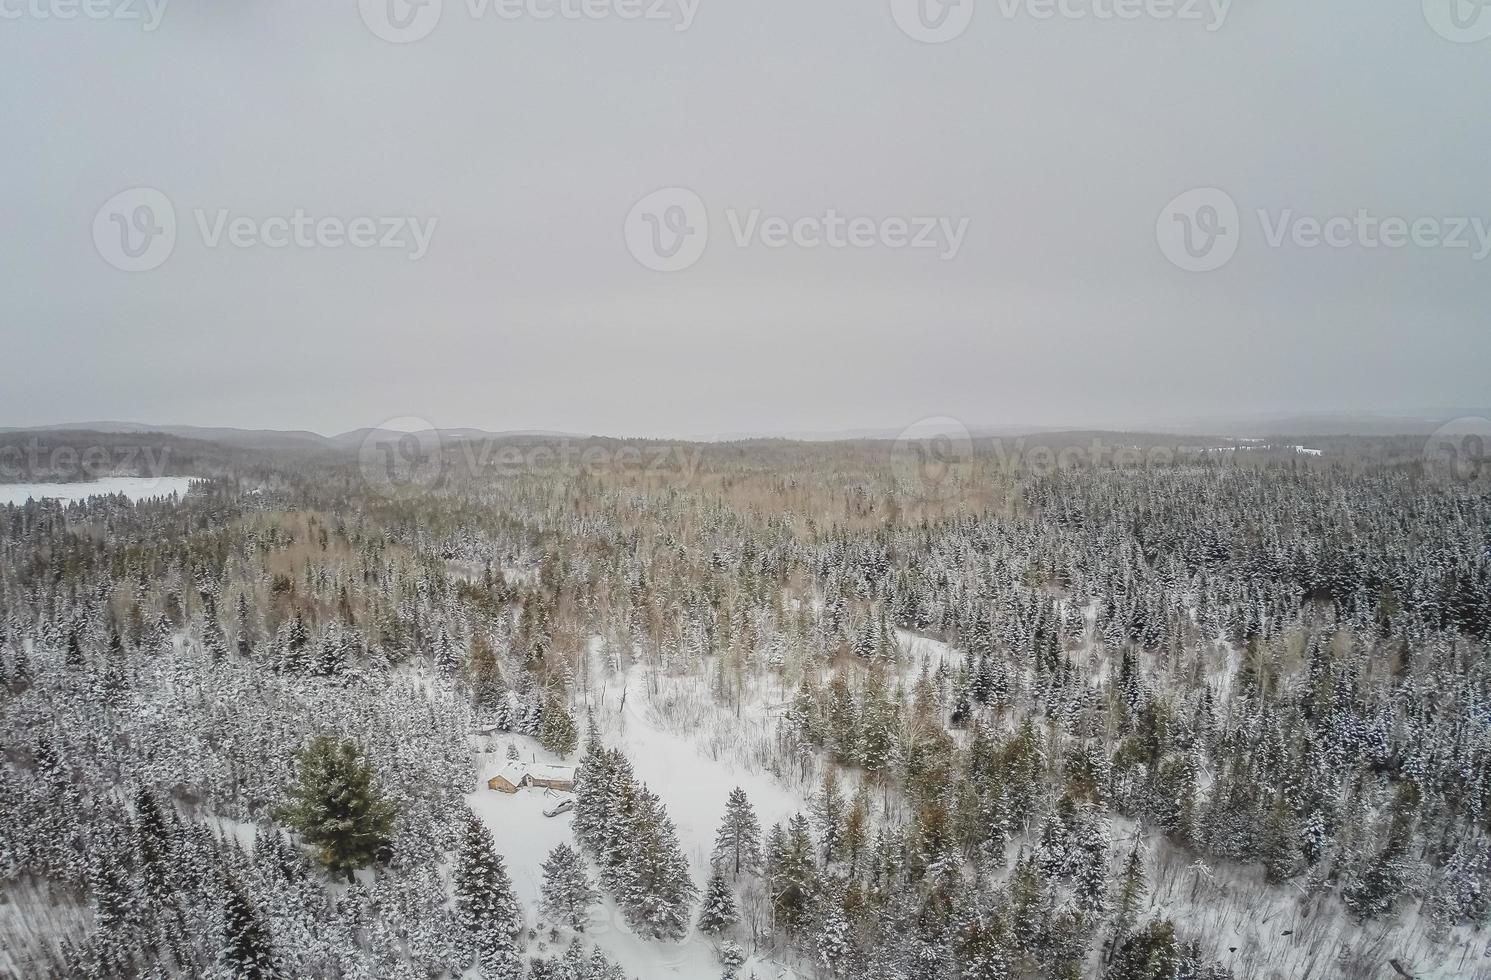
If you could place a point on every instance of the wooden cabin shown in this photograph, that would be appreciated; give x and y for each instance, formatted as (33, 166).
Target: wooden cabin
(508, 778)
(552, 777)
(514, 775)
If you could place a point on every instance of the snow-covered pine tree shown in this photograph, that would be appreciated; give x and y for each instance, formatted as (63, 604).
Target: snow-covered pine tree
(1131, 890)
(738, 842)
(244, 630)
(828, 813)
(557, 732)
(791, 872)
(486, 905)
(835, 942)
(654, 889)
(246, 950)
(567, 893)
(718, 910)
(1090, 857)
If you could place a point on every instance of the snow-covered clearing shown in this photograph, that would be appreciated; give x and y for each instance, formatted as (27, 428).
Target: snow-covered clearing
(923, 653)
(694, 787)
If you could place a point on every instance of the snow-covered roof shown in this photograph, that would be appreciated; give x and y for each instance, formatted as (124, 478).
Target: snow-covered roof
(539, 770)
(512, 771)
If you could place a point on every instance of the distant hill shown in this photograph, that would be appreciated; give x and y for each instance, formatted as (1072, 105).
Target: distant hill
(278, 439)
(1223, 427)
(222, 435)
(1326, 423)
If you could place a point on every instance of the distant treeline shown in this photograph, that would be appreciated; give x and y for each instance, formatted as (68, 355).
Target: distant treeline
(80, 456)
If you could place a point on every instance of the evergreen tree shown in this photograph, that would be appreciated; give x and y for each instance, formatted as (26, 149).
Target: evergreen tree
(336, 807)
(213, 640)
(331, 653)
(1090, 857)
(655, 889)
(567, 893)
(1155, 953)
(1131, 891)
(828, 813)
(486, 905)
(857, 827)
(835, 942)
(246, 950)
(558, 733)
(153, 848)
(1281, 843)
(791, 872)
(718, 911)
(732, 958)
(244, 629)
(738, 842)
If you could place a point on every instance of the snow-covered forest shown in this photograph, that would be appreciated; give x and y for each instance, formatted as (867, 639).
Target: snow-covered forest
(827, 711)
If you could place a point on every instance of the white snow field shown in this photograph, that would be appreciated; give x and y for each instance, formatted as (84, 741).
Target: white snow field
(136, 488)
(694, 789)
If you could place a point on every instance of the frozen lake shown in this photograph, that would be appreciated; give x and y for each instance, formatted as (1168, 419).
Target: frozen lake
(133, 487)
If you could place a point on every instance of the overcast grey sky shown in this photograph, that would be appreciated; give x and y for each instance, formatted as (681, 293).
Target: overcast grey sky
(1055, 145)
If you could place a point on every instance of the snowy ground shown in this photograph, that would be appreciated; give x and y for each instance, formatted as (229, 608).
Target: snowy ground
(694, 788)
(925, 653)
